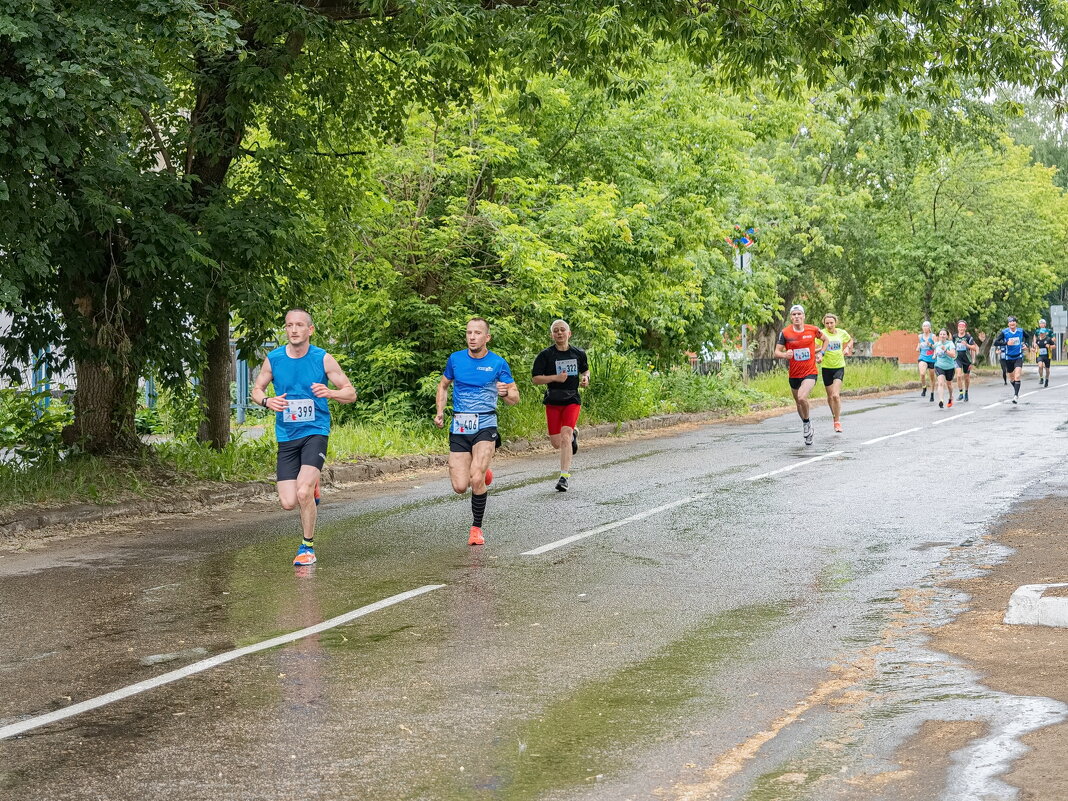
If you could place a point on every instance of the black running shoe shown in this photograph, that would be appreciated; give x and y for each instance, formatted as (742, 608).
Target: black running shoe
(941, 405)
(561, 485)
(574, 441)
(923, 392)
(931, 397)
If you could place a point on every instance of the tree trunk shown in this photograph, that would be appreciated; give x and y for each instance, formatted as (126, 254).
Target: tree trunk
(215, 428)
(104, 407)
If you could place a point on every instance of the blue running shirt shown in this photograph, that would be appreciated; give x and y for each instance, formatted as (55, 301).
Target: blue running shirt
(1014, 343)
(474, 389)
(293, 378)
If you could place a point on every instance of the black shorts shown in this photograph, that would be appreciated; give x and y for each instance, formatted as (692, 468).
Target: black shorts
(1013, 364)
(1044, 360)
(294, 454)
(795, 383)
(464, 443)
(946, 372)
(964, 367)
(831, 374)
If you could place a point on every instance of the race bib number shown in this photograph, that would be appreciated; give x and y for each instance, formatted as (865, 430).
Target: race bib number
(464, 424)
(832, 345)
(1012, 342)
(301, 410)
(569, 366)
(802, 354)
(962, 346)
(1042, 351)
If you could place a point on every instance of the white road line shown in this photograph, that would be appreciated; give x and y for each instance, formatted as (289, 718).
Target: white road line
(954, 417)
(1032, 392)
(609, 526)
(891, 436)
(992, 405)
(205, 664)
(795, 466)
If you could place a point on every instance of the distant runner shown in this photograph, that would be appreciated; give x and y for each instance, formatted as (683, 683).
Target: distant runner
(299, 372)
(967, 347)
(797, 343)
(1045, 345)
(925, 347)
(481, 377)
(1000, 351)
(1014, 340)
(562, 369)
(945, 366)
(837, 344)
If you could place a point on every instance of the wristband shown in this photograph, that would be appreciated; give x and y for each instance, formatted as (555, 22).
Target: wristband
(263, 403)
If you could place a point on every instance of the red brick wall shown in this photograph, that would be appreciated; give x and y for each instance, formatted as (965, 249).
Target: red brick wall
(899, 344)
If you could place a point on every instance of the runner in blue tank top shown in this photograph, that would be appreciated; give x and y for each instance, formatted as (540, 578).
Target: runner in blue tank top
(479, 377)
(299, 372)
(925, 348)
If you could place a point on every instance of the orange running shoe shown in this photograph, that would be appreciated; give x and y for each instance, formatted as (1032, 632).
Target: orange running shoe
(476, 537)
(489, 477)
(950, 404)
(837, 427)
(318, 495)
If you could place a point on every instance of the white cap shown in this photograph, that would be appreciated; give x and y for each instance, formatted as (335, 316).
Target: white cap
(797, 307)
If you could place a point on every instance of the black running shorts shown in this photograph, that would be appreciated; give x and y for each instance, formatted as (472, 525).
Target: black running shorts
(964, 367)
(1013, 364)
(946, 372)
(295, 453)
(1044, 360)
(832, 374)
(795, 383)
(464, 443)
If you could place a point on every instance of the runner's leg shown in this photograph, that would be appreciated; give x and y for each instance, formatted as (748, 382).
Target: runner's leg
(834, 399)
(305, 494)
(460, 471)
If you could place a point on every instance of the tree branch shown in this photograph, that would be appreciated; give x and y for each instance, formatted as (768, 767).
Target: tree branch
(160, 144)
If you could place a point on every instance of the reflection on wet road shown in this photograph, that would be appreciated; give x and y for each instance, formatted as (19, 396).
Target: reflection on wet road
(740, 609)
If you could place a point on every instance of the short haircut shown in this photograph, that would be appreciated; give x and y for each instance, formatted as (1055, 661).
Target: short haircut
(482, 320)
(831, 314)
(556, 322)
(305, 313)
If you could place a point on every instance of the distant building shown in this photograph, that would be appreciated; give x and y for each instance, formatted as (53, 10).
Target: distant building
(28, 379)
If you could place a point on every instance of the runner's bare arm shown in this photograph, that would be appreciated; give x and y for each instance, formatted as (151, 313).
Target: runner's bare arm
(441, 399)
(550, 379)
(259, 390)
(782, 353)
(584, 379)
(510, 392)
(345, 392)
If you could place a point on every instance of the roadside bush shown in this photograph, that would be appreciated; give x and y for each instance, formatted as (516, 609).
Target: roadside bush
(29, 428)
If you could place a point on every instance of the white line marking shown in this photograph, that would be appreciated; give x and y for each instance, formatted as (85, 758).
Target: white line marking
(992, 405)
(609, 526)
(891, 436)
(795, 465)
(205, 664)
(954, 417)
(1032, 392)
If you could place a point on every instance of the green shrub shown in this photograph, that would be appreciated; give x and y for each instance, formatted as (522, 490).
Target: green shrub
(31, 424)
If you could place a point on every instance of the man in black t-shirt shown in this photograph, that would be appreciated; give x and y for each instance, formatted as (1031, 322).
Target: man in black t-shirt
(967, 347)
(562, 369)
(1045, 344)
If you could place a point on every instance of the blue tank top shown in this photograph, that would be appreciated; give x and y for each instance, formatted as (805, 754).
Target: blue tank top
(293, 378)
(927, 344)
(1014, 343)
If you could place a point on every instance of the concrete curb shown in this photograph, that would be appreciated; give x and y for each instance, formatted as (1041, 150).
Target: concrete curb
(191, 500)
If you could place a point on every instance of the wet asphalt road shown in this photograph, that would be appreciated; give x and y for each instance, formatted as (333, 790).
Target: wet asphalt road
(626, 665)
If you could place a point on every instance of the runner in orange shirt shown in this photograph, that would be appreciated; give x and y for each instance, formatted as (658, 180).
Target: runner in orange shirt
(797, 343)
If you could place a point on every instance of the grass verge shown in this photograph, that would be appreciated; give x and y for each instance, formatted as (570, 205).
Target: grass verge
(620, 389)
